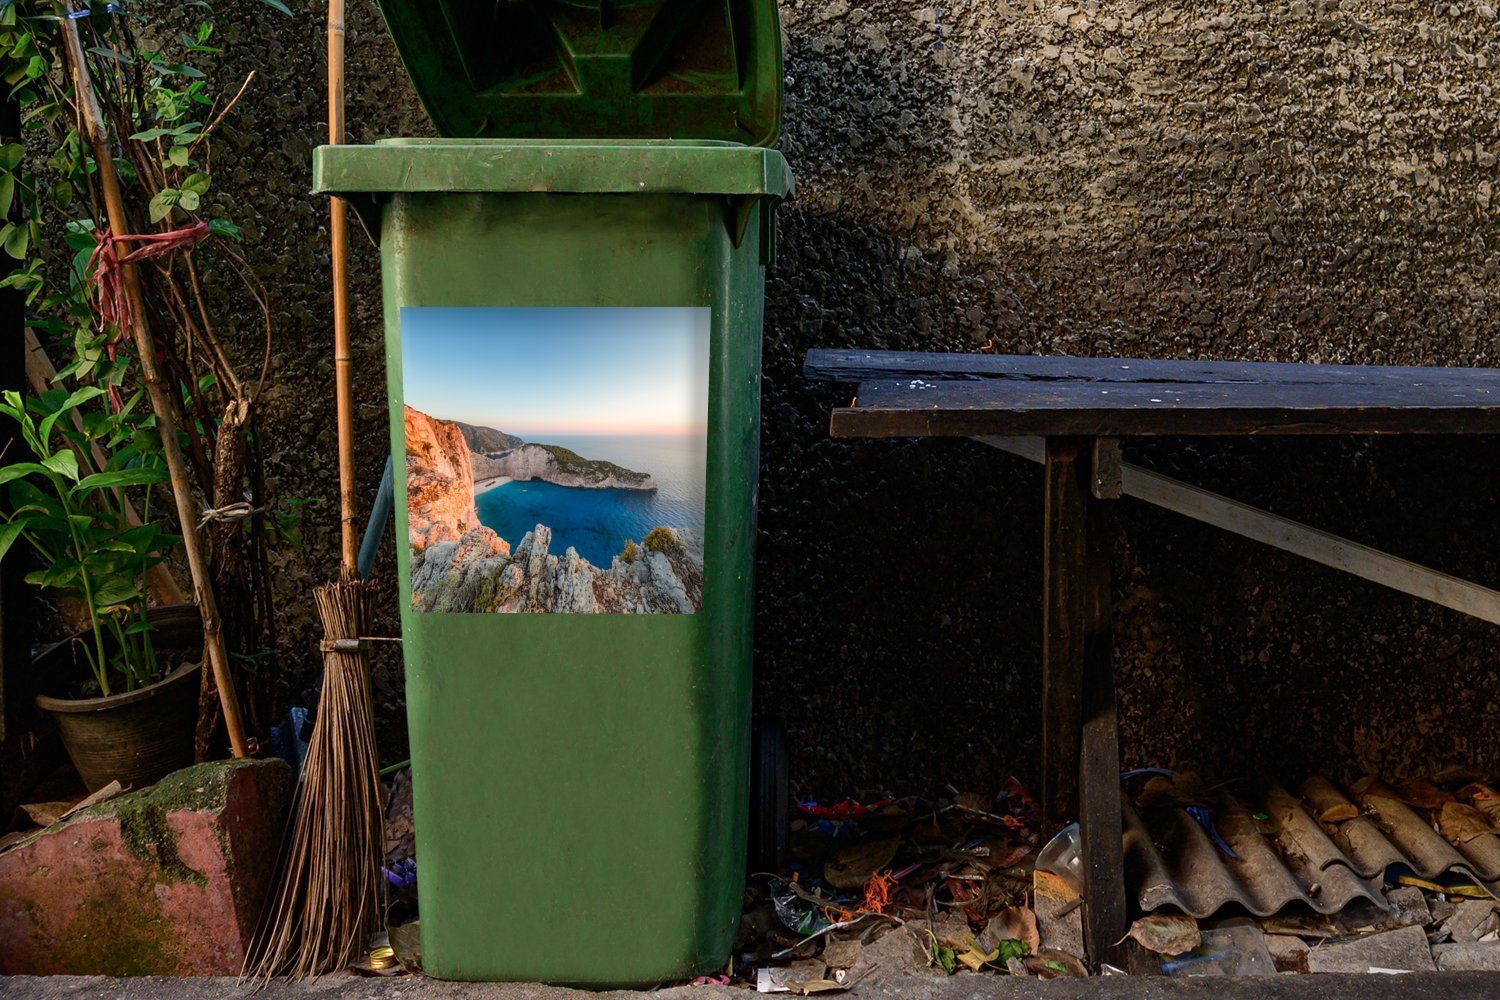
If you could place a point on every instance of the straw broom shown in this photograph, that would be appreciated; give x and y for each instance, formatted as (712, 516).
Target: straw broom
(328, 899)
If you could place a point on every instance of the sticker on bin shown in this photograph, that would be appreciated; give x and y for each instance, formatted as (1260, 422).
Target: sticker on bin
(556, 458)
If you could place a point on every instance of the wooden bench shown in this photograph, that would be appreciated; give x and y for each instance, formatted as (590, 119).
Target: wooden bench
(1069, 414)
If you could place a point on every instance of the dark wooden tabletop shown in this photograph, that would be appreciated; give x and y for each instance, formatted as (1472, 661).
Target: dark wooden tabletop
(900, 394)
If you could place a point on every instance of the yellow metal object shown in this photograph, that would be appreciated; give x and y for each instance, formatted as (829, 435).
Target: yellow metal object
(382, 958)
(1470, 891)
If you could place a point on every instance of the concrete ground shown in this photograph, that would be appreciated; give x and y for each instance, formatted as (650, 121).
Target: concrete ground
(1417, 986)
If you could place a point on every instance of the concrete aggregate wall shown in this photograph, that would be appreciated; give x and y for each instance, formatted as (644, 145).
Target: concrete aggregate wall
(1303, 181)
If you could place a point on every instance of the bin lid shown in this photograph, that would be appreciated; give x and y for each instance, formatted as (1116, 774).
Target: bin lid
(570, 69)
(555, 166)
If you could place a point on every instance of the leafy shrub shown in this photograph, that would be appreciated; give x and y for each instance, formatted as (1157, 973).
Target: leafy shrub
(77, 521)
(663, 540)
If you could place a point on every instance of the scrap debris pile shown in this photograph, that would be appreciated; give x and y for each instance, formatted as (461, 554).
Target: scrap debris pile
(895, 886)
(1243, 878)
(1390, 877)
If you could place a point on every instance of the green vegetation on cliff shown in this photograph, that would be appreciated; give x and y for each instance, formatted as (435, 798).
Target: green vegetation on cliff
(573, 464)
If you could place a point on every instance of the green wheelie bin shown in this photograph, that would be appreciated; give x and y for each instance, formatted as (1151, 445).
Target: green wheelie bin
(573, 282)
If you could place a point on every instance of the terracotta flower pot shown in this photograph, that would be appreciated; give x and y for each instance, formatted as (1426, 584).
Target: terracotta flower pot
(136, 737)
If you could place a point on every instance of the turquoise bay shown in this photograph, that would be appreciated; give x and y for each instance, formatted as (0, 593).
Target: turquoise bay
(598, 522)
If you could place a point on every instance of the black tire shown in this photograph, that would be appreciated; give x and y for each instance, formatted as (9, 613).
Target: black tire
(770, 798)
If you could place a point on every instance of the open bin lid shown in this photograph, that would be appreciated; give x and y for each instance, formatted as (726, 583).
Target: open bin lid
(574, 69)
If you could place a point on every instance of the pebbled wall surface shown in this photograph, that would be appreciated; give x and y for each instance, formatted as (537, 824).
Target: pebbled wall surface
(1301, 181)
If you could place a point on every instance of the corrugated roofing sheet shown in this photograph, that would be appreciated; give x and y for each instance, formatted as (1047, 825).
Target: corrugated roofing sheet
(1325, 848)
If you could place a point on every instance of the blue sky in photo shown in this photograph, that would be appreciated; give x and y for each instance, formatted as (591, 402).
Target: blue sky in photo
(576, 370)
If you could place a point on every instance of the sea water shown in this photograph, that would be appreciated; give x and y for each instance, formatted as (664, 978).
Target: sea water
(598, 522)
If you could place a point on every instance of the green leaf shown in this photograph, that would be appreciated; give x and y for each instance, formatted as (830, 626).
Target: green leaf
(183, 69)
(64, 463)
(161, 205)
(116, 592)
(104, 51)
(11, 155)
(9, 532)
(17, 239)
(177, 156)
(1011, 948)
(7, 192)
(197, 183)
(277, 5)
(20, 469)
(188, 201)
(59, 574)
(225, 228)
(121, 477)
(75, 399)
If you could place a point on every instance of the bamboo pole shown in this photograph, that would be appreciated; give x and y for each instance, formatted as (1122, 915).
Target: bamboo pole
(40, 372)
(161, 403)
(343, 360)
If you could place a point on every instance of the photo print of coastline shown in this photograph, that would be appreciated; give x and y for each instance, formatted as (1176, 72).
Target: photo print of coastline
(556, 458)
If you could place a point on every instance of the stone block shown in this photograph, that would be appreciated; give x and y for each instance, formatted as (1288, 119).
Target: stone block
(1403, 950)
(167, 881)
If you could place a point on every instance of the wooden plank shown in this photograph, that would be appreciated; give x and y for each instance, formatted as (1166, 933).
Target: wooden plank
(873, 366)
(1312, 543)
(1101, 828)
(1064, 624)
(1033, 449)
(923, 408)
(1291, 536)
(1105, 461)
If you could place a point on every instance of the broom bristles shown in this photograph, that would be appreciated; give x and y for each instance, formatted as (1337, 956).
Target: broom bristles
(327, 898)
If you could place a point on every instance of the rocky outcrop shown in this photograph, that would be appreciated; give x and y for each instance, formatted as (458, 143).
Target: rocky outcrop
(458, 564)
(554, 464)
(661, 575)
(486, 439)
(439, 482)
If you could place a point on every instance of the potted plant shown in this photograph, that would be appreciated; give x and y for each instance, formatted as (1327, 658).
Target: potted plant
(121, 690)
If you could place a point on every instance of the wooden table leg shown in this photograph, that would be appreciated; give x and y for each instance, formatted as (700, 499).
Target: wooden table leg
(1104, 906)
(1064, 623)
(1080, 737)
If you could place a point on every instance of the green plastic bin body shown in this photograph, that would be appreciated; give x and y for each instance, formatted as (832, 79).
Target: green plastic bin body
(580, 780)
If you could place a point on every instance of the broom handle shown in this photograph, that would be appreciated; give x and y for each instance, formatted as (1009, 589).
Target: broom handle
(338, 231)
(166, 420)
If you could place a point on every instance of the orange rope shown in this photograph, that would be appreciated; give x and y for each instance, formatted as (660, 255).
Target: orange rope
(877, 899)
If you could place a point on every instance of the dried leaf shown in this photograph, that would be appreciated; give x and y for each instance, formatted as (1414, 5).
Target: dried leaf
(973, 959)
(1423, 794)
(851, 867)
(1184, 787)
(1054, 964)
(1484, 798)
(45, 813)
(1371, 787)
(1016, 923)
(1339, 812)
(1460, 824)
(1166, 933)
(104, 794)
(1327, 803)
(1458, 774)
